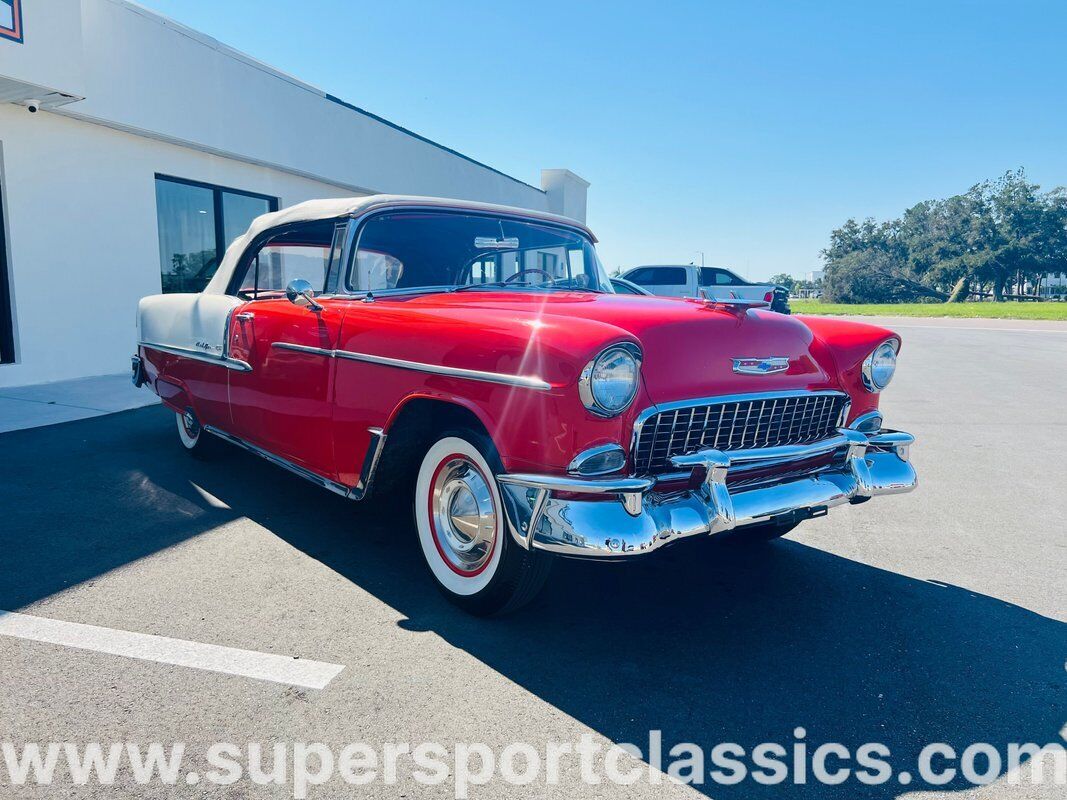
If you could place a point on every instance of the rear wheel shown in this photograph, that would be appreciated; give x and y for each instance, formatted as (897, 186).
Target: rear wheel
(196, 441)
(463, 533)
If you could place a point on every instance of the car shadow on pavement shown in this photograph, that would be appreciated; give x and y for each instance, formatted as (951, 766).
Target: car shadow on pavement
(707, 642)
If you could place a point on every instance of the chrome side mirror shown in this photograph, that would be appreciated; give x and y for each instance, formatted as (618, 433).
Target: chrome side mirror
(300, 293)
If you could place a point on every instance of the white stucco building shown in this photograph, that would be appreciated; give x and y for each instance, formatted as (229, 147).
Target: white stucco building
(133, 149)
(1053, 284)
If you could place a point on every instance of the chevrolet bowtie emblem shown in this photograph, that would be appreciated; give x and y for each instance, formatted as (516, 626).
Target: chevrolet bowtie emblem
(760, 366)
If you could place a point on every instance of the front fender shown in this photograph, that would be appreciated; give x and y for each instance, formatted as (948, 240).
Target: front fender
(841, 346)
(540, 426)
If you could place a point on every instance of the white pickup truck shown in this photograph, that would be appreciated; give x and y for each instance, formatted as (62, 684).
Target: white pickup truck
(715, 283)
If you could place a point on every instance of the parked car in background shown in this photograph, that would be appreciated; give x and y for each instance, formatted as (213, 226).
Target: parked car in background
(716, 283)
(472, 366)
(623, 286)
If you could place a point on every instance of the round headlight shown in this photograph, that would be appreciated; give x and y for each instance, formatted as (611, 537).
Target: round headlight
(879, 366)
(608, 383)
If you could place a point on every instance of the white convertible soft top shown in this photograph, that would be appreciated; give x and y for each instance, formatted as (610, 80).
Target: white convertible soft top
(354, 206)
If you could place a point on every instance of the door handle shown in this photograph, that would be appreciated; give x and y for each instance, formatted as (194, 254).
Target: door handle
(245, 315)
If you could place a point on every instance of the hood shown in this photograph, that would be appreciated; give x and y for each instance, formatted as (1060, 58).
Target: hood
(688, 347)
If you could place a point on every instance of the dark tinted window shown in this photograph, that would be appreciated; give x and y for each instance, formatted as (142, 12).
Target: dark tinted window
(658, 276)
(238, 211)
(196, 222)
(188, 248)
(709, 276)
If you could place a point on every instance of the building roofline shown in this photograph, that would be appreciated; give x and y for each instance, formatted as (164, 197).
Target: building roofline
(255, 63)
(421, 138)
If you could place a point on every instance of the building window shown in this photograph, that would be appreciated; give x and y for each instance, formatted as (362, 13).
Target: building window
(196, 223)
(7, 330)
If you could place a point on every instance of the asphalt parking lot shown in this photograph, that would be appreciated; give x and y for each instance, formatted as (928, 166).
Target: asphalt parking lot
(939, 616)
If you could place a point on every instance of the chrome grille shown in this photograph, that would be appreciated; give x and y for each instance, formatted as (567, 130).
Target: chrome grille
(736, 423)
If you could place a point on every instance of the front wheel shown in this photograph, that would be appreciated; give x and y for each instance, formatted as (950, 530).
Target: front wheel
(463, 533)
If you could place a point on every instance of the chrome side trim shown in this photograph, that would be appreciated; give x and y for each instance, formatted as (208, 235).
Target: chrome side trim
(357, 492)
(185, 352)
(521, 381)
(278, 461)
(370, 464)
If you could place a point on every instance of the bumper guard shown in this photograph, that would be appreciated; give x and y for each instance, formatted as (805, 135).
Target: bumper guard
(636, 519)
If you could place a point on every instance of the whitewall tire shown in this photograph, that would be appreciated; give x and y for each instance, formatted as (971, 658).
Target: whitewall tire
(194, 439)
(459, 516)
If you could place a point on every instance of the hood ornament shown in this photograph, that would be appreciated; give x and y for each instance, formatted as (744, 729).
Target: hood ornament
(734, 304)
(761, 366)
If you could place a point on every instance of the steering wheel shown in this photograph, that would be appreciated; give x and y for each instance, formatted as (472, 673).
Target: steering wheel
(513, 278)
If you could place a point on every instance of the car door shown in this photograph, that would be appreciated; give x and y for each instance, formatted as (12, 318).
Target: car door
(284, 404)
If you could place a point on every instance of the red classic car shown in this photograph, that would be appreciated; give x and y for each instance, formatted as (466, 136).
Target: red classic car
(475, 361)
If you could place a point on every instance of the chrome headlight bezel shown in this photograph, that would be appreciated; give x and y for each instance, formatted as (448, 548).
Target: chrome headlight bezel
(874, 377)
(587, 389)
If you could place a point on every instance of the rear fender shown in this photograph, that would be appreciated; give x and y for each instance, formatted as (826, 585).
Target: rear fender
(174, 395)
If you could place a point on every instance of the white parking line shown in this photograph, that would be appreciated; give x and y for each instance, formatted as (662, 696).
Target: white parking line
(148, 647)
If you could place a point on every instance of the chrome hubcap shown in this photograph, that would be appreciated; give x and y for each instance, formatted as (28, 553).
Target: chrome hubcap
(463, 515)
(192, 426)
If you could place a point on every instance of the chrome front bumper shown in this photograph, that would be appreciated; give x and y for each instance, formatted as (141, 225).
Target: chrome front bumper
(632, 518)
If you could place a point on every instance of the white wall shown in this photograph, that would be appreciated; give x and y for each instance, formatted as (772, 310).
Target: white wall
(53, 60)
(143, 73)
(80, 208)
(140, 95)
(565, 192)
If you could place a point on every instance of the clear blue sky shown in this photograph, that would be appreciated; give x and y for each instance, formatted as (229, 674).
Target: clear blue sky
(747, 130)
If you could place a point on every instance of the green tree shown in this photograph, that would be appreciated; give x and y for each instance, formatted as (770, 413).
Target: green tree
(998, 233)
(1020, 234)
(786, 281)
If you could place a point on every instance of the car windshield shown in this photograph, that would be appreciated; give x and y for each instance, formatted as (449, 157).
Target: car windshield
(447, 251)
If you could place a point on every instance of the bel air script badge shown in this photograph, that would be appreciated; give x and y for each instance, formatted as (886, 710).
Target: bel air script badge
(760, 366)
